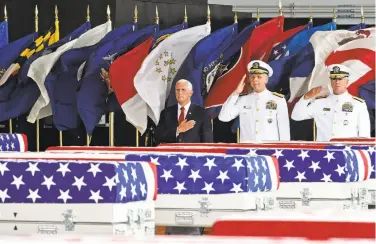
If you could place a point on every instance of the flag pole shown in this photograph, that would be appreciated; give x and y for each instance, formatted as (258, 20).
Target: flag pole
(6, 19)
(60, 132)
(36, 30)
(88, 138)
(334, 15)
(310, 15)
(111, 114)
(280, 8)
(258, 14)
(135, 21)
(362, 15)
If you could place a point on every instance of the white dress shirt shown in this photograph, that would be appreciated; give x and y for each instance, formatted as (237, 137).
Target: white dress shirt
(263, 116)
(336, 116)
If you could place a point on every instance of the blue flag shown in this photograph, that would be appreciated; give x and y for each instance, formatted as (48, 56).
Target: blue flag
(20, 101)
(357, 27)
(61, 83)
(367, 92)
(8, 54)
(92, 95)
(201, 61)
(4, 36)
(22, 74)
(112, 102)
(302, 38)
(279, 49)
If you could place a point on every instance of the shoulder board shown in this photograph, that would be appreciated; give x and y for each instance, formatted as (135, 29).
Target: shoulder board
(243, 94)
(320, 97)
(278, 94)
(358, 99)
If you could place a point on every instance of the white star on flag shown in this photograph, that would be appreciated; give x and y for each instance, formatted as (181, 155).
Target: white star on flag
(300, 176)
(329, 156)
(182, 162)
(223, 176)
(166, 174)
(315, 166)
(180, 186)
(289, 165)
(208, 188)
(94, 168)
(79, 182)
(194, 175)
(210, 163)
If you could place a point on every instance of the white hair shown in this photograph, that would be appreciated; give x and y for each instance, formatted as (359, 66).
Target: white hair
(187, 82)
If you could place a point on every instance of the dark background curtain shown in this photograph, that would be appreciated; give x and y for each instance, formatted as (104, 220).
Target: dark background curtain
(72, 13)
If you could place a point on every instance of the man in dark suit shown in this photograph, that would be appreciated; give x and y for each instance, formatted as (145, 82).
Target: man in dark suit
(184, 122)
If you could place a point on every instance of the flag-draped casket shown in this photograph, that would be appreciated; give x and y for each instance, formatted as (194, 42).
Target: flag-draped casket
(48, 193)
(347, 168)
(194, 188)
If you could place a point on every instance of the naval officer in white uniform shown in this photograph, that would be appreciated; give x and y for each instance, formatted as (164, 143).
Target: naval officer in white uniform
(337, 115)
(263, 114)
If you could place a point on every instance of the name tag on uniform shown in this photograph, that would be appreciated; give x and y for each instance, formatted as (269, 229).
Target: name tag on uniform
(271, 105)
(247, 107)
(347, 107)
(326, 109)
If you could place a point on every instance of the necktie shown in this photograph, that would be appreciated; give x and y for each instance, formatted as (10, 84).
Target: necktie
(181, 116)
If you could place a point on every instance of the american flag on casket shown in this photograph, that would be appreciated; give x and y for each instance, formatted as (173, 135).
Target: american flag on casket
(46, 178)
(212, 174)
(331, 163)
(13, 142)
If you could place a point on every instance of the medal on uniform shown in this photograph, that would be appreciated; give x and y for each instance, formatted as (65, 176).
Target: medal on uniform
(345, 122)
(271, 105)
(347, 107)
(270, 120)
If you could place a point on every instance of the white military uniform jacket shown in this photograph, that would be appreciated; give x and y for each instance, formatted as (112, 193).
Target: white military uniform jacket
(336, 116)
(263, 116)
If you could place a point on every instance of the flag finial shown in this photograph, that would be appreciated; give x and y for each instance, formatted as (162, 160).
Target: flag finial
(56, 13)
(5, 13)
(208, 14)
(88, 13)
(156, 15)
(334, 15)
(310, 14)
(280, 7)
(362, 15)
(108, 13)
(258, 14)
(135, 14)
(185, 14)
(36, 18)
(236, 17)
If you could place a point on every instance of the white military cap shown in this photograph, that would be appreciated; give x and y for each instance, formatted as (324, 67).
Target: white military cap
(338, 71)
(259, 67)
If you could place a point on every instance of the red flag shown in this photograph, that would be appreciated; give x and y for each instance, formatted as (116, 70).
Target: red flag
(264, 36)
(226, 84)
(359, 56)
(124, 69)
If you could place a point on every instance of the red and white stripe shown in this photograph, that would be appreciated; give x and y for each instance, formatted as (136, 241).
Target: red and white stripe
(364, 164)
(273, 166)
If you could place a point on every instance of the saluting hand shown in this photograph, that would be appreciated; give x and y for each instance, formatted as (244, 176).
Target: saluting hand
(313, 92)
(240, 87)
(186, 125)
